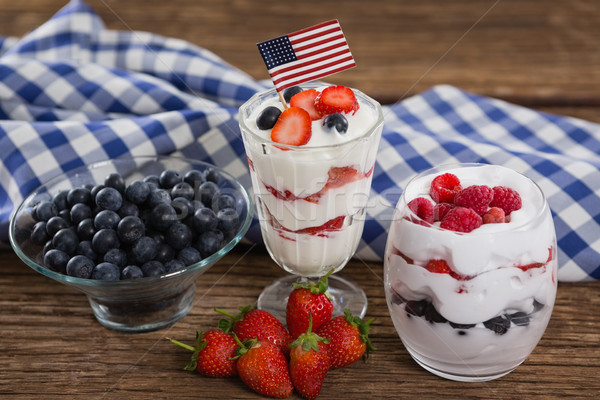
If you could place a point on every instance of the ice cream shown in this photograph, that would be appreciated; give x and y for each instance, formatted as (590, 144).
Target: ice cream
(311, 198)
(472, 306)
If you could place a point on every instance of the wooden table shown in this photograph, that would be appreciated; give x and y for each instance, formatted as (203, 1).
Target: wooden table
(545, 55)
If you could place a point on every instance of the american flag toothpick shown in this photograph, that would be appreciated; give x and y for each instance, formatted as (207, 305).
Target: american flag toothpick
(306, 55)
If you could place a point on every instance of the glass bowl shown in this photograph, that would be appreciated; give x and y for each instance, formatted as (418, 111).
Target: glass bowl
(131, 305)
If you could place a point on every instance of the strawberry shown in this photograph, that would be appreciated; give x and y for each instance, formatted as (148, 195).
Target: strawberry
(348, 339)
(252, 323)
(308, 299)
(438, 267)
(263, 368)
(213, 354)
(444, 188)
(336, 99)
(309, 362)
(306, 101)
(292, 128)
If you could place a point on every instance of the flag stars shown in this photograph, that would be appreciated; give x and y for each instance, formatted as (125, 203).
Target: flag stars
(277, 51)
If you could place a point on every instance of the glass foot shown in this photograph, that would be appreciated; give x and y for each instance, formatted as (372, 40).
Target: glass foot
(345, 294)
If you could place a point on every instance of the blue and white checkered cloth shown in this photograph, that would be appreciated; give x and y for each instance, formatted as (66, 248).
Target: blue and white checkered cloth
(73, 92)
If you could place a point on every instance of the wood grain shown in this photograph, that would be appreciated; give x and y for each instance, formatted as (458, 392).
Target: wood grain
(544, 55)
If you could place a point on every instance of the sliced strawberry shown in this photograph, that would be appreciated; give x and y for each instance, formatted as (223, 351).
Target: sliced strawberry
(336, 99)
(438, 267)
(306, 101)
(292, 128)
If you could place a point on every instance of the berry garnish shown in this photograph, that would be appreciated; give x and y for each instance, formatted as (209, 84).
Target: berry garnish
(268, 117)
(336, 121)
(291, 92)
(422, 208)
(440, 210)
(476, 197)
(506, 198)
(444, 188)
(461, 219)
(438, 267)
(292, 128)
(494, 215)
(306, 101)
(336, 99)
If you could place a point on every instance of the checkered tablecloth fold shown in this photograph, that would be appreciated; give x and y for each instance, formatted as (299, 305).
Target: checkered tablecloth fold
(73, 92)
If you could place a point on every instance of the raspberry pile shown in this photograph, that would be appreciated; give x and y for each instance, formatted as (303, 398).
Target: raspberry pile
(464, 209)
(116, 231)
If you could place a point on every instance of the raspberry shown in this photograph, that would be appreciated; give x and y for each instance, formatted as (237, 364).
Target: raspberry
(422, 208)
(440, 210)
(506, 198)
(494, 215)
(476, 197)
(444, 188)
(461, 219)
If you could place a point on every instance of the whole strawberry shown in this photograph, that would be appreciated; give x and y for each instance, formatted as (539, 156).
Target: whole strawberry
(309, 363)
(252, 323)
(308, 299)
(213, 354)
(348, 339)
(263, 368)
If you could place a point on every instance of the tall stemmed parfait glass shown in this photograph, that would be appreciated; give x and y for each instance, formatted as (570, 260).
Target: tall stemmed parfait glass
(311, 203)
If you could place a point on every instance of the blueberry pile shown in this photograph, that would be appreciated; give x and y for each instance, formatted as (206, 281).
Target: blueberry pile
(149, 227)
(499, 325)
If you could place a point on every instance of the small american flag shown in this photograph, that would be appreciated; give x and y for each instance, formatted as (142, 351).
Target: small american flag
(306, 55)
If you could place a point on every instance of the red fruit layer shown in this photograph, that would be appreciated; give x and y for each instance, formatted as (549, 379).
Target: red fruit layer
(337, 177)
(334, 224)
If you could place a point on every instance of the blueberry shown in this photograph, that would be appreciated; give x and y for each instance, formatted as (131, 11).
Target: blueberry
(189, 256)
(204, 220)
(416, 307)
(80, 266)
(104, 240)
(158, 196)
(85, 248)
(115, 181)
(519, 318)
(498, 324)
(169, 178)
(153, 268)
(130, 229)
(94, 192)
(79, 212)
(106, 219)
(39, 234)
(337, 121)
(45, 210)
(267, 118)
(182, 189)
(152, 180)
(66, 240)
(208, 243)
(291, 92)
(79, 195)
(229, 219)
(55, 224)
(56, 260)
(461, 326)
(106, 271)
(60, 200)
(178, 235)
(226, 200)
(109, 198)
(137, 192)
(132, 272)
(128, 208)
(86, 229)
(162, 216)
(174, 265)
(65, 214)
(143, 249)
(194, 178)
(164, 253)
(116, 256)
(432, 315)
(183, 207)
(207, 192)
(212, 175)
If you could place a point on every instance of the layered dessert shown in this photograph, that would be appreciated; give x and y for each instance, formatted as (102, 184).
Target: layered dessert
(470, 270)
(311, 166)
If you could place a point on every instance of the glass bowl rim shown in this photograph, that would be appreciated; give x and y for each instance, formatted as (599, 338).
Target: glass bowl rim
(145, 282)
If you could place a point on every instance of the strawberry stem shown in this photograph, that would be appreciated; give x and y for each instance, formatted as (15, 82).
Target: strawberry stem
(178, 343)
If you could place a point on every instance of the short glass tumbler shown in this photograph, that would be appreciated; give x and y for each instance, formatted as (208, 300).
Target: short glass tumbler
(472, 306)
